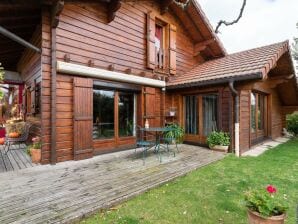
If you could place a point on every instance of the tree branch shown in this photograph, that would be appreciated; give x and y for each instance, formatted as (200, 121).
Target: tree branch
(223, 22)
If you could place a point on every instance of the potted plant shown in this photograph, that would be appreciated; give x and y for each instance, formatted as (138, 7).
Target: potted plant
(175, 132)
(218, 140)
(265, 206)
(35, 150)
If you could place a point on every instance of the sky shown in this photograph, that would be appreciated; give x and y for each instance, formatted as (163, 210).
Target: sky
(264, 22)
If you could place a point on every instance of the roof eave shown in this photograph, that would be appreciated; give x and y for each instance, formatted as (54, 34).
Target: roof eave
(225, 80)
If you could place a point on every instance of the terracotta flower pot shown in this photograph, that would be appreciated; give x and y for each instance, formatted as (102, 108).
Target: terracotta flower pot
(256, 218)
(221, 148)
(35, 155)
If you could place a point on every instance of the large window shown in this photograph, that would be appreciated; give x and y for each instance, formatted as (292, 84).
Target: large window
(191, 115)
(253, 112)
(114, 114)
(201, 114)
(257, 112)
(261, 110)
(209, 113)
(103, 114)
(126, 114)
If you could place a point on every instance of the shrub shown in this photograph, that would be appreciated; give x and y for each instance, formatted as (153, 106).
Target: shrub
(292, 123)
(218, 138)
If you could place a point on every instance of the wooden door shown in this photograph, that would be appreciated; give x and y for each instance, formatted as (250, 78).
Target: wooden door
(83, 119)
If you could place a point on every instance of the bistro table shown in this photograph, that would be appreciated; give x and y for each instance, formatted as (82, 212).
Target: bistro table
(158, 133)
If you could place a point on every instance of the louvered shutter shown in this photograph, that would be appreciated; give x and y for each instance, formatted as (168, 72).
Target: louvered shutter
(172, 49)
(150, 41)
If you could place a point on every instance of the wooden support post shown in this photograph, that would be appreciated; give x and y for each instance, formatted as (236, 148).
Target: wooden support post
(55, 13)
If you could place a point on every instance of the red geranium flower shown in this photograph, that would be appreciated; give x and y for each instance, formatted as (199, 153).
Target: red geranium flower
(271, 189)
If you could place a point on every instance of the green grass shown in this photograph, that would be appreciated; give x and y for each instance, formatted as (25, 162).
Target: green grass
(213, 194)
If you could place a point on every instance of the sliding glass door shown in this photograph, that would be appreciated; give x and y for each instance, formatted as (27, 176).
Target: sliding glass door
(114, 114)
(200, 116)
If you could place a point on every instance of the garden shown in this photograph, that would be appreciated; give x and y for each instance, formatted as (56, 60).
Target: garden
(215, 193)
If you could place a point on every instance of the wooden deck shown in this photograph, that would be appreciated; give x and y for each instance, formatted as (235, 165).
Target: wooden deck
(15, 159)
(70, 190)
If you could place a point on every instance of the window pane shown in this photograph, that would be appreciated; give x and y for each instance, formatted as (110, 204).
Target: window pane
(191, 114)
(209, 113)
(126, 114)
(103, 114)
(253, 112)
(261, 105)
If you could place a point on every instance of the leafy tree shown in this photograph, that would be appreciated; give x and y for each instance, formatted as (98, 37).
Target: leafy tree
(295, 47)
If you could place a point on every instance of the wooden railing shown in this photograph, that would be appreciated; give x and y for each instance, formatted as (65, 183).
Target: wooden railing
(160, 61)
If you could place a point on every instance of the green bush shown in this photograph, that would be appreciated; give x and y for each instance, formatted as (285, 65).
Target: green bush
(292, 123)
(218, 138)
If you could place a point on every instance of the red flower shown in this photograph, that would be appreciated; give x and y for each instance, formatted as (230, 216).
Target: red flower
(271, 189)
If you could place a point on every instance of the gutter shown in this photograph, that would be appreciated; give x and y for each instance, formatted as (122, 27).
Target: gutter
(225, 80)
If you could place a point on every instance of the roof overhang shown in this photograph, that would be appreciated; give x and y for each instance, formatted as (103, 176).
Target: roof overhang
(225, 80)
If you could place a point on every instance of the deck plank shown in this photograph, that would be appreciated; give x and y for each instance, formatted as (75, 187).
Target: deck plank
(15, 159)
(67, 191)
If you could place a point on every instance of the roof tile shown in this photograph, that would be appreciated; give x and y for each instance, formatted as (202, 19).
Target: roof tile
(245, 63)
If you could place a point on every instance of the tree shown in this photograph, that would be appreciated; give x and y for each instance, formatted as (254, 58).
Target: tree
(184, 4)
(295, 48)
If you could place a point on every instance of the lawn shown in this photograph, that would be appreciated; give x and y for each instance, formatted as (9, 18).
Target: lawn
(213, 194)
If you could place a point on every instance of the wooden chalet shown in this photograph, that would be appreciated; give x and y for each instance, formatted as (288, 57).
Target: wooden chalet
(91, 70)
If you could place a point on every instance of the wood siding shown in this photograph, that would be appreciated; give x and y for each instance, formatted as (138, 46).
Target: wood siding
(29, 67)
(175, 99)
(274, 119)
(84, 34)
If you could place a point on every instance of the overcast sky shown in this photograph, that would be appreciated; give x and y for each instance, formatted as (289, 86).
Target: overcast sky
(263, 22)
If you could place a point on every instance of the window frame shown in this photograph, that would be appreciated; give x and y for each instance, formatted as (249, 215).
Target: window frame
(118, 88)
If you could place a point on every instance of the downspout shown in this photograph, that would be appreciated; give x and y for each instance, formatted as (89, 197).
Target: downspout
(236, 116)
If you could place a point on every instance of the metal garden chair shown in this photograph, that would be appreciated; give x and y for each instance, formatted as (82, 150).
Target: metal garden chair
(20, 140)
(145, 141)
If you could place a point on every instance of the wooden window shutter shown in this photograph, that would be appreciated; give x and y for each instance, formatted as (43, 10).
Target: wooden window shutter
(83, 118)
(24, 103)
(150, 40)
(152, 101)
(172, 49)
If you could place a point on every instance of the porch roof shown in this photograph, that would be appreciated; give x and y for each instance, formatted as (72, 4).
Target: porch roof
(246, 65)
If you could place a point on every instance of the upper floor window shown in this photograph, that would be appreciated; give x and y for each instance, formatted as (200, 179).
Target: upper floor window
(161, 45)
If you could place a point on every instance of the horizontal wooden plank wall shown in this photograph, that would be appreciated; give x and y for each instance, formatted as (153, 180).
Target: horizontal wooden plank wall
(275, 114)
(176, 100)
(84, 34)
(29, 67)
(244, 122)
